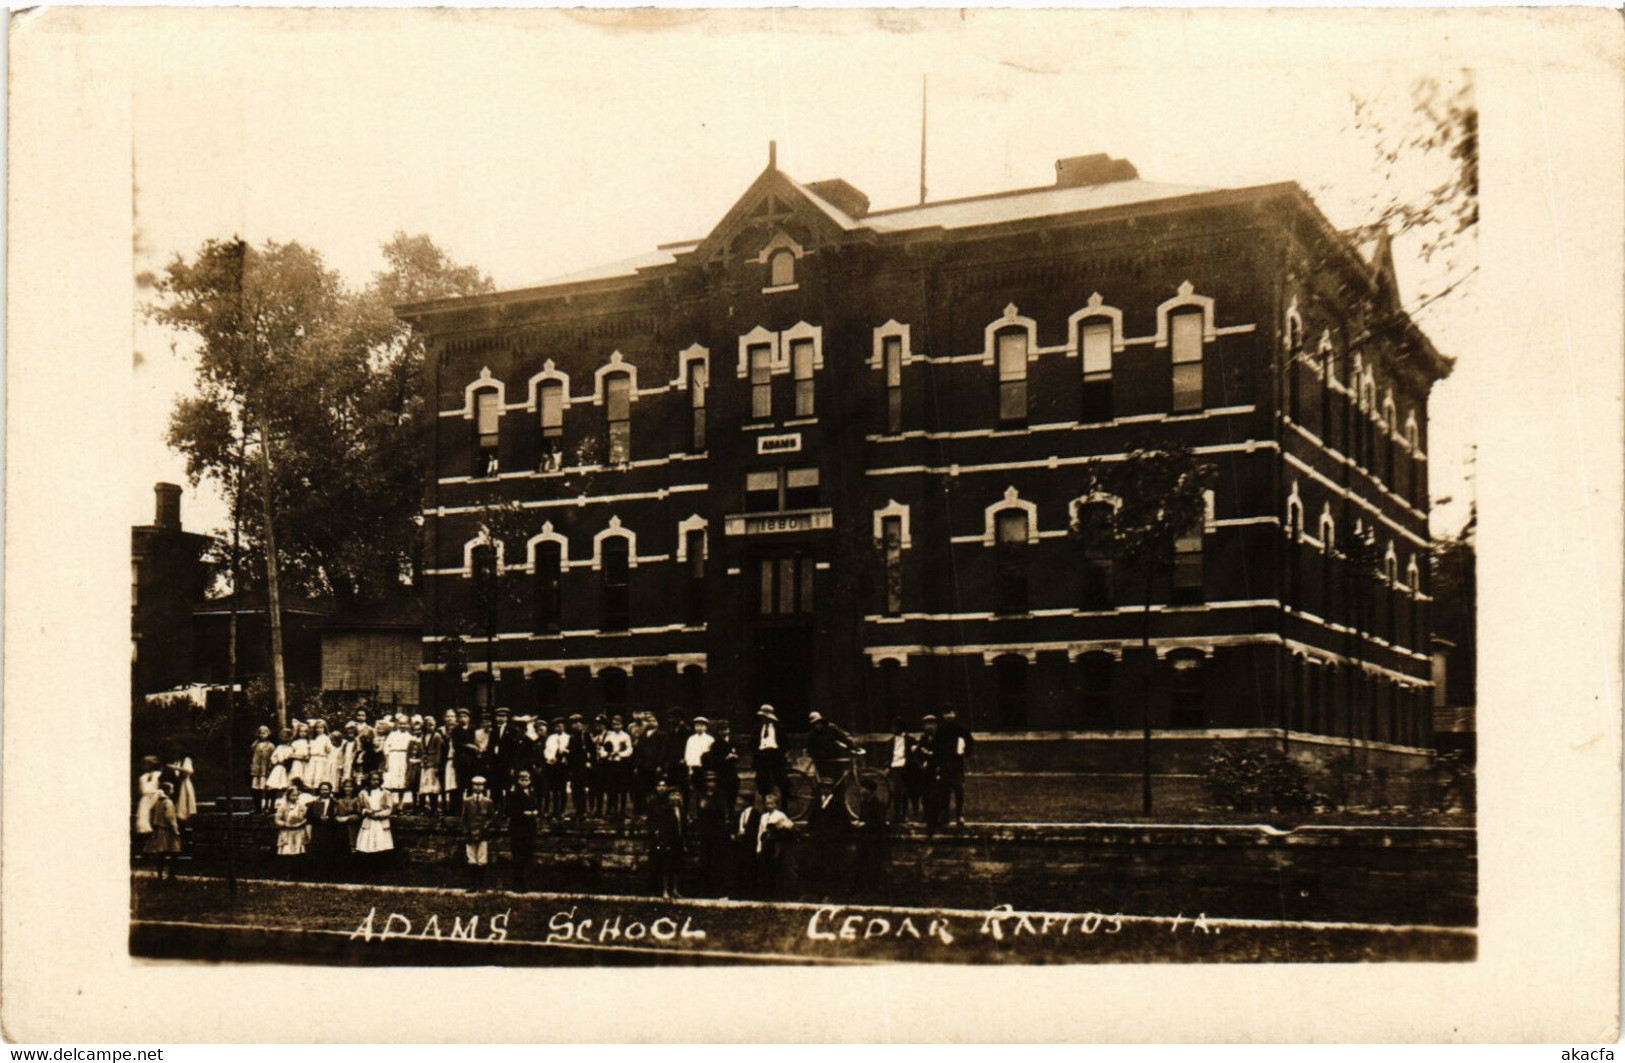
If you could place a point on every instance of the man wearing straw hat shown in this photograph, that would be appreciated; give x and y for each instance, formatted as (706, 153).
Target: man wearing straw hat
(771, 773)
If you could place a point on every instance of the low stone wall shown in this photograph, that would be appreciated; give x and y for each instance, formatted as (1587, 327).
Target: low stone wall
(1401, 875)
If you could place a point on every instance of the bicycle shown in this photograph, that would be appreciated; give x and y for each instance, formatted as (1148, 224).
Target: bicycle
(804, 786)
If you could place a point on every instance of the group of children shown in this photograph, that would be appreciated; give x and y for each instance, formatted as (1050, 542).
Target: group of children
(608, 768)
(165, 800)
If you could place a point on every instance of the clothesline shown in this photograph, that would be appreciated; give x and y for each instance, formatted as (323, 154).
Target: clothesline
(196, 695)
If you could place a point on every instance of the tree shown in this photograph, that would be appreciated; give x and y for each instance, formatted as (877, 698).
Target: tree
(1150, 499)
(308, 396)
(340, 379)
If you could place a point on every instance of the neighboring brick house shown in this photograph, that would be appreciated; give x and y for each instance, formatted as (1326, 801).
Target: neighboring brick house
(301, 644)
(169, 577)
(828, 457)
(374, 650)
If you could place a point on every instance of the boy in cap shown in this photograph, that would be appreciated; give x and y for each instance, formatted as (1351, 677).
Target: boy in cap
(476, 821)
(556, 773)
(523, 812)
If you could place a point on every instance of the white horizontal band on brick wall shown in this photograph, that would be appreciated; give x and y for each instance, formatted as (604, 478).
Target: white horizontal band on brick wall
(1054, 461)
(578, 500)
(1063, 426)
(1163, 646)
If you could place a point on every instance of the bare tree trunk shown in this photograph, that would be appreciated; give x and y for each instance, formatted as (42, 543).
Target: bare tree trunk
(231, 668)
(273, 604)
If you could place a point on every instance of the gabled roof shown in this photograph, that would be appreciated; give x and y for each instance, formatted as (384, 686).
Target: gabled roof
(993, 209)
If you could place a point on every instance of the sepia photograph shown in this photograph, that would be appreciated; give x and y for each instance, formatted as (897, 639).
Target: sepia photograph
(903, 489)
(1063, 557)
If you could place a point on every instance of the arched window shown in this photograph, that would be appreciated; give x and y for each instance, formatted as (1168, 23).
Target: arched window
(1012, 356)
(487, 429)
(1185, 329)
(545, 690)
(1011, 546)
(891, 548)
(612, 687)
(759, 357)
(692, 689)
(781, 268)
(547, 580)
(615, 574)
(1185, 690)
(1010, 684)
(1095, 672)
(1095, 342)
(891, 356)
(698, 381)
(891, 690)
(618, 417)
(694, 549)
(801, 367)
(550, 403)
(1188, 579)
(1095, 567)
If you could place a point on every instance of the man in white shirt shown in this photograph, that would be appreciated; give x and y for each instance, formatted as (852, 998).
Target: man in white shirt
(694, 750)
(558, 743)
(614, 754)
(768, 762)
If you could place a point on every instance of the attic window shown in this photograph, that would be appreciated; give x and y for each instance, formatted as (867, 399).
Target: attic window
(781, 269)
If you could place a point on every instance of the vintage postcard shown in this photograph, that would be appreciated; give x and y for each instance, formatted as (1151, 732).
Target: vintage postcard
(993, 508)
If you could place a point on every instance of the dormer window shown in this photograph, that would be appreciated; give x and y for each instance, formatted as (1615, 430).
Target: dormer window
(781, 268)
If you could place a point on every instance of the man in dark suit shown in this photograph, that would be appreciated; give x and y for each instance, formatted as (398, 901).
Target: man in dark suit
(329, 843)
(578, 760)
(957, 745)
(510, 751)
(463, 755)
(649, 759)
(523, 810)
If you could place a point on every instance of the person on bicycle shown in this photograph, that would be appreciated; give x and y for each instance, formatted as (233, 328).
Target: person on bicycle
(831, 750)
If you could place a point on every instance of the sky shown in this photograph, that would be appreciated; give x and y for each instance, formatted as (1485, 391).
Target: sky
(532, 144)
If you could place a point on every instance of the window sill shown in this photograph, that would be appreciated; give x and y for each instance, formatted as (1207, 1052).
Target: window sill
(776, 288)
(758, 426)
(800, 422)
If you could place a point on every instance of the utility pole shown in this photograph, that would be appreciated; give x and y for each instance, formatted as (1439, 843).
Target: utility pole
(273, 606)
(925, 84)
(231, 666)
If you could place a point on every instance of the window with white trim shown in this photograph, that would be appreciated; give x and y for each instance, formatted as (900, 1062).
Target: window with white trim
(550, 403)
(1185, 690)
(801, 366)
(1012, 357)
(694, 546)
(697, 383)
(615, 583)
(760, 358)
(1186, 330)
(1095, 344)
(547, 581)
(1095, 568)
(1095, 689)
(781, 268)
(891, 547)
(1010, 544)
(487, 430)
(1187, 575)
(891, 356)
(618, 417)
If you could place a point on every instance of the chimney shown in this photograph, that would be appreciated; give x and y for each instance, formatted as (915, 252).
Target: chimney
(1098, 169)
(842, 196)
(169, 505)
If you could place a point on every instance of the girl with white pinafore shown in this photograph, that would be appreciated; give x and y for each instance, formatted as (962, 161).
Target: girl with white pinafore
(376, 807)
